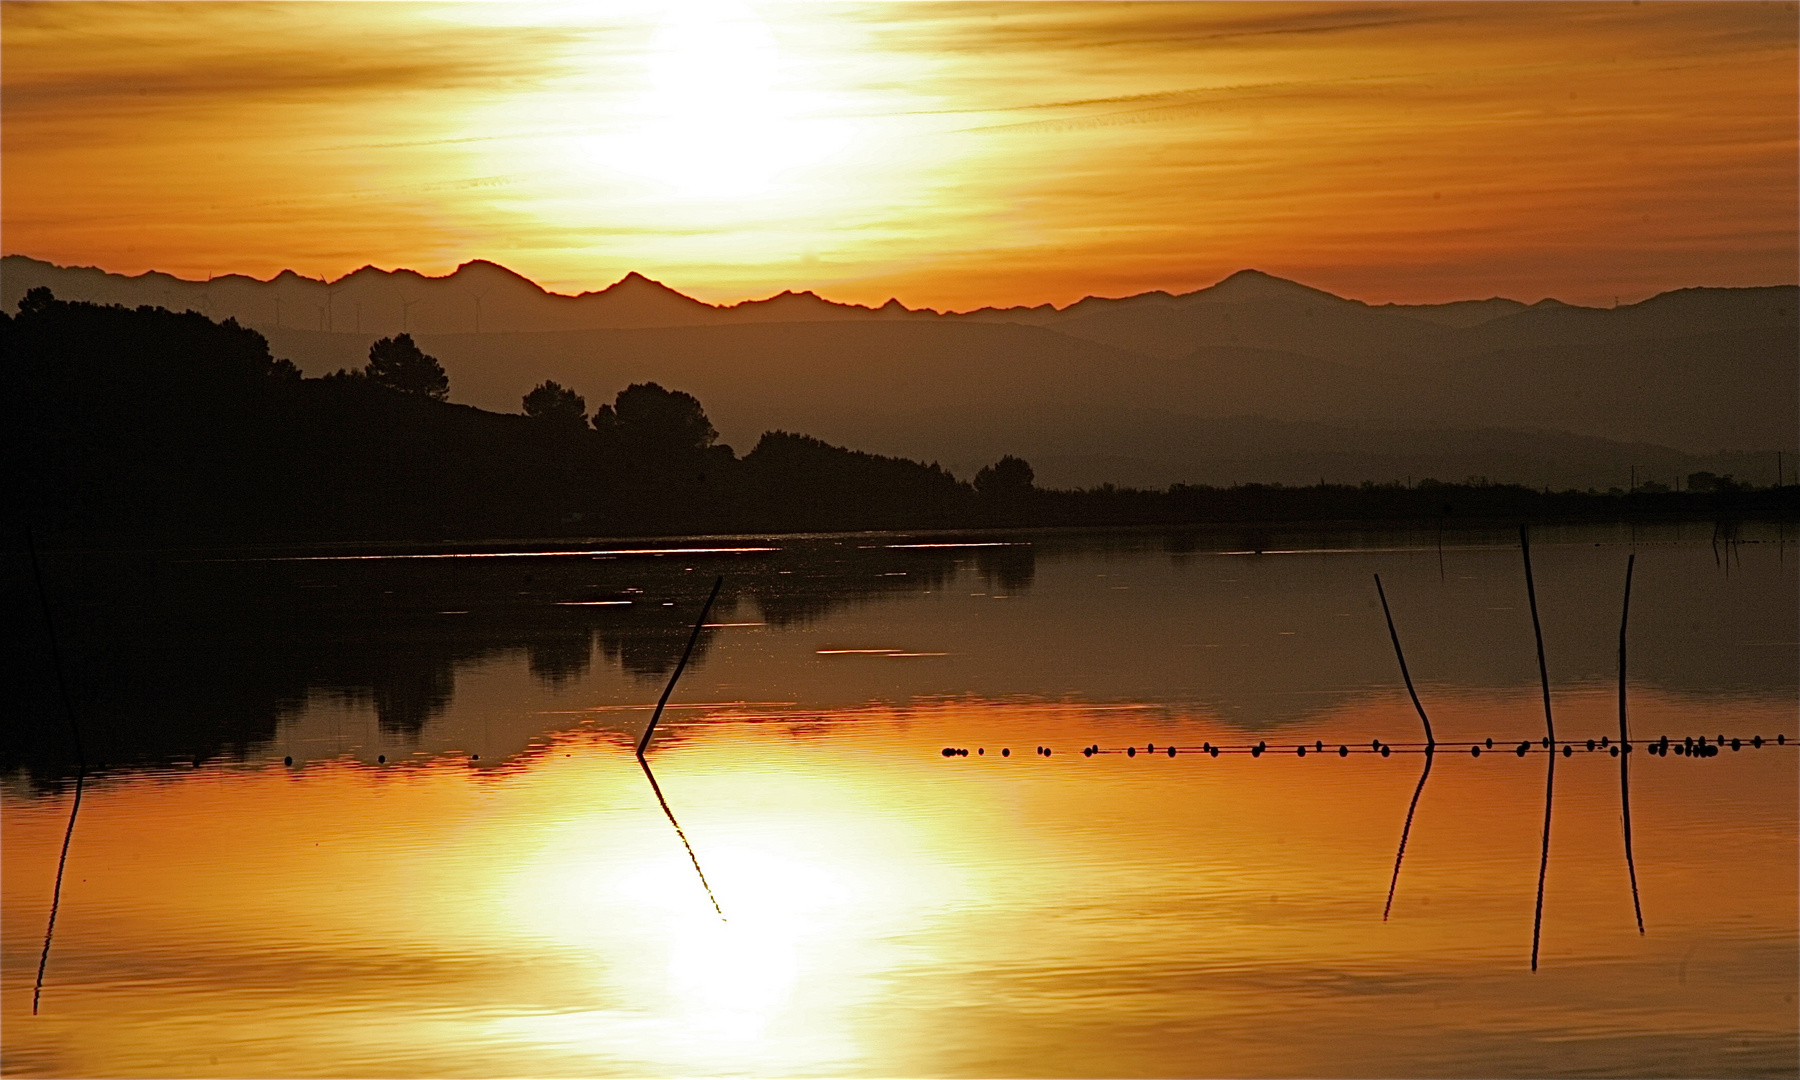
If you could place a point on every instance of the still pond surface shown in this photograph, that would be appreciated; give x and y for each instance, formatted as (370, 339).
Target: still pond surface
(464, 871)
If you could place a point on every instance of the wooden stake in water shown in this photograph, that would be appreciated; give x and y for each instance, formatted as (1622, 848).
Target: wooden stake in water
(650, 729)
(1430, 742)
(1430, 747)
(1625, 748)
(1537, 919)
(62, 688)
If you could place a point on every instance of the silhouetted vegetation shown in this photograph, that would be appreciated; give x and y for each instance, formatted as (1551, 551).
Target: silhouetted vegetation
(141, 429)
(400, 365)
(555, 404)
(796, 482)
(144, 428)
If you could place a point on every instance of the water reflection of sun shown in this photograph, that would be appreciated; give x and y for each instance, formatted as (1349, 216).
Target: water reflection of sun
(812, 901)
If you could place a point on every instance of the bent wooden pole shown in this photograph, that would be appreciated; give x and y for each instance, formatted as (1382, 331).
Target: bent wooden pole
(1430, 748)
(1625, 749)
(650, 729)
(1537, 919)
(62, 687)
(1430, 742)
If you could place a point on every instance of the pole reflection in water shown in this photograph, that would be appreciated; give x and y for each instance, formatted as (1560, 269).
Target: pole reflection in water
(1430, 742)
(1624, 751)
(670, 814)
(650, 729)
(894, 911)
(1537, 630)
(62, 690)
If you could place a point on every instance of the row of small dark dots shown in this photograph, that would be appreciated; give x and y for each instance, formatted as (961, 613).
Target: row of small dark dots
(1689, 746)
(380, 759)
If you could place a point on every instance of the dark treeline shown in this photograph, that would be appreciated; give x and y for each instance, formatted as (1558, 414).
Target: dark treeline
(146, 428)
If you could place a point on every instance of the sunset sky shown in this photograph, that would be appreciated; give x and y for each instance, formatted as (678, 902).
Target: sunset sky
(951, 155)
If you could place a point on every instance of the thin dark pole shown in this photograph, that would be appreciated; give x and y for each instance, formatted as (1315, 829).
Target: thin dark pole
(1404, 833)
(1395, 637)
(650, 730)
(685, 653)
(1625, 748)
(1430, 746)
(1537, 919)
(62, 688)
(670, 814)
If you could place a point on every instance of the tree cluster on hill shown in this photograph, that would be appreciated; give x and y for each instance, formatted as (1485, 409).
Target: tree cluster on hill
(143, 427)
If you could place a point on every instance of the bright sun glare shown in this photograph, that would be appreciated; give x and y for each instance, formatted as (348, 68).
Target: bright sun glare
(716, 989)
(713, 118)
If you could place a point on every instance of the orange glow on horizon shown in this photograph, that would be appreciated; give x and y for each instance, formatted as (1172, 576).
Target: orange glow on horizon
(952, 156)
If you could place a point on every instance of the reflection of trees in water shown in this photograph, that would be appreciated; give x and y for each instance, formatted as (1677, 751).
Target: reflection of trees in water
(562, 658)
(183, 660)
(171, 661)
(1009, 569)
(651, 651)
(408, 696)
(849, 578)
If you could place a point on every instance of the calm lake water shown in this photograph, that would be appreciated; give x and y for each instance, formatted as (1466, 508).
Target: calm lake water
(464, 872)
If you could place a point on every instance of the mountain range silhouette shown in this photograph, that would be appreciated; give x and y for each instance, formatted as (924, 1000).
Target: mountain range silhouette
(1254, 378)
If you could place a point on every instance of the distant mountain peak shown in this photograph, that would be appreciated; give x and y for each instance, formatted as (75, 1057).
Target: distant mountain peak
(1250, 273)
(637, 284)
(1251, 284)
(485, 268)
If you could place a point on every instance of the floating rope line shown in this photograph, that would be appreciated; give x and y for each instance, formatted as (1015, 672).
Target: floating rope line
(1622, 749)
(1688, 746)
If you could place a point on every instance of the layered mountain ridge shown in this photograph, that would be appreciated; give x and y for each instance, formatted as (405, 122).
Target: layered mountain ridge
(1254, 378)
(390, 301)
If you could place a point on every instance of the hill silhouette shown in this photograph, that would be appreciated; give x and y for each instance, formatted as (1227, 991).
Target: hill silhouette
(144, 427)
(1695, 378)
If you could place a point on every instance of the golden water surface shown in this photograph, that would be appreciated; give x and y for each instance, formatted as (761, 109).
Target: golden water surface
(885, 909)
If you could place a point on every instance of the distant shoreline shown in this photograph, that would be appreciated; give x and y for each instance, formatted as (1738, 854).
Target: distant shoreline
(1228, 534)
